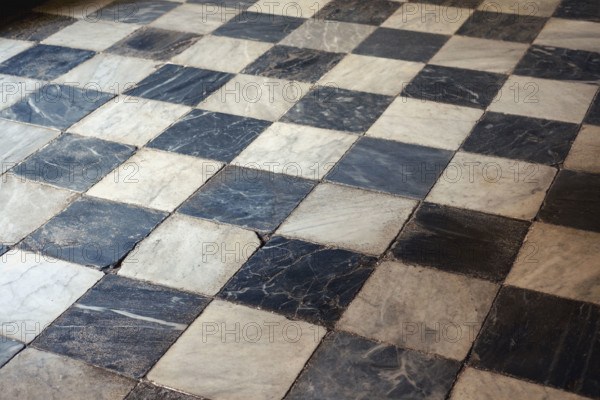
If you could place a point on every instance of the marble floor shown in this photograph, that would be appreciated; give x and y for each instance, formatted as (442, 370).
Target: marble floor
(300, 199)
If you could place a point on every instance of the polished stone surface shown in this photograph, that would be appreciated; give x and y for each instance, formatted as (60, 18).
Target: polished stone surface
(422, 17)
(334, 36)
(257, 26)
(561, 64)
(154, 43)
(450, 3)
(20, 141)
(593, 116)
(578, 9)
(147, 391)
(372, 12)
(290, 8)
(584, 152)
(200, 19)
(10, 48)
(539, 8)
(8, 348)
(95, 36)
(235, 4)
(139, 12)
(401, 45)
(33, 26)
(502, 26)
(14, 88)
(569, 34)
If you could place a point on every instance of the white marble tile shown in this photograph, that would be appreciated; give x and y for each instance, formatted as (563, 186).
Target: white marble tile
(9, 48)
(349, 218)
(544, 98)
(155, 179)
(480, 54)
(570, 34)
(36, 289)
(232, 352)
(191, 254)
(256, 97)
(130, 120)
(420, 308)
(334, 36)
(91, 35)
(109, 73)
(196, 18)
(425, 123)
(386, 76)
(226, 54)
(289, 8)
(73, 8)
(536, 8)
(561, 261)
(430, 18)
(493, 185)
(27, 205)
(296, 150)
(20, 140)
(16, 88)
(584, 154)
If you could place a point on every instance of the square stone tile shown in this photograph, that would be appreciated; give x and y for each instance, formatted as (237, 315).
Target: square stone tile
(401, 45)
(74, 162)
(349, 367)
(584, 152)
(44, 62)
(393, 167)
(200, 19)
(130, 120)
(8, 348)
(573, 201)
(96, 35)
(15, 88)
(154, 43)
(425, 123)
(539, 8)
(10, 48)
(256, 199)
(183, 85)
(543, 98)
(561, 64)
(122, 325)
(334, 36)
(593, 116)
(36, 290)
(541, 338)
(146, 390)
(463, 241)
(419, 308)
(500, 26)
(570, 34)
(93, 232)
(522, 138)
(233, 340)
(20, 141)
(349, 218)
(296, 150)
(290, 8)
(35, 374)
(430, 18)
(257, 26)
(139, 12)
(386, 76)
(299, 279)
(33, 26)
(22, 210)
(330, 107)
(493, 185)
(227, 54)
(578, 9)
(256, 97)
(373, 12)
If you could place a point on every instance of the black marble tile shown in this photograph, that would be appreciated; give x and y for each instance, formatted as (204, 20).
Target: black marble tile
(257, 26)
(56, 106)
(372, 12)
(340, 109)
(74, 162)
(522, 138)
(32, 26)
(134, 11)
(122, 324)
(8, 348)
(212, 135)
(401, 44)
(232, 4)
(560, 64)
(154, 43)
(45, 62)
(177, 84)
(451, 3)
(573, 200)
(93, 232)
(301, 280)
(293, 63)
(148, 391)
(463, 241)
(502, 26)
(578, 9)
(256, 199)
(394, 167)
(542, 338)
(455, 85)
(350, 367)
(593, 116)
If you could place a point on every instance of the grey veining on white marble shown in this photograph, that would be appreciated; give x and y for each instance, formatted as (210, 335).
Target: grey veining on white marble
(334, 36)
(20, 140)
(583, 155)
(570, 34)
(97, 35)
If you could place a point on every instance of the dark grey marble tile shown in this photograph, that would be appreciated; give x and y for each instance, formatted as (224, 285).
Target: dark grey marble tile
(451, 3)
(349, 367)
(257, 26)
(463, 241)
(299, 279)
(522, 138)
(32, 26)
(93, 232)
(122, 324)
(45, 62)
(593, 116)
(148, 391)
(393, 167)
(340, 109)
(8, 348)
(177, 84)
(74, 162)
(371, 12)
(455, 85)
(3, 249)
(578, 9)
(134, 12)
(293, 63)
(502, 26)
(232, 4)
(212, 135)
(56, 106)
(401, 44)
(154, 43)
(560, 64)
(256, 199)
(542, 338)
(573, 200)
